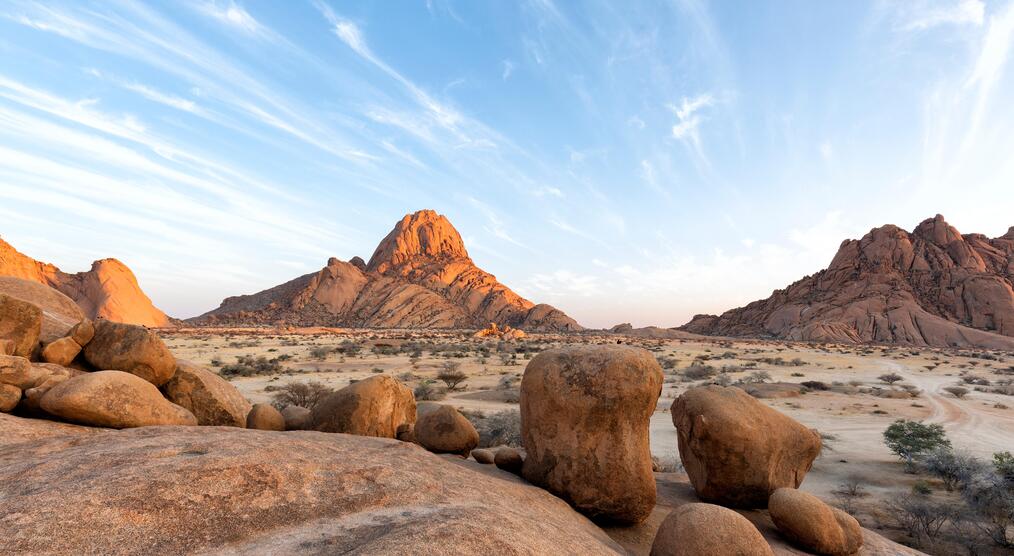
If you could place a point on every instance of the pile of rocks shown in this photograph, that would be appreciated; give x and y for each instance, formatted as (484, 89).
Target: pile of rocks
(585, 414)
(504, 332)
(56, 364)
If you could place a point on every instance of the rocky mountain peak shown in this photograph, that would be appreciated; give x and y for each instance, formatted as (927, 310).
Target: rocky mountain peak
(421, 235)
(937, 230)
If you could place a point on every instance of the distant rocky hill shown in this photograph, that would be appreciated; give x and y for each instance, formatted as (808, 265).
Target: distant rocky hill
(420, 276)
(931, 287)
(108, 290)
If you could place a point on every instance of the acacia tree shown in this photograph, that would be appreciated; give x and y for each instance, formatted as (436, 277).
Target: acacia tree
(911, 439)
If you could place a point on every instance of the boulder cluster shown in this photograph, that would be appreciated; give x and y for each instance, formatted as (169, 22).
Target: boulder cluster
(54, 363)
(504, 332)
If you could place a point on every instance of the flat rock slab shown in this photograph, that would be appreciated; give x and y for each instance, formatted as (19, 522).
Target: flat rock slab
(174, 490)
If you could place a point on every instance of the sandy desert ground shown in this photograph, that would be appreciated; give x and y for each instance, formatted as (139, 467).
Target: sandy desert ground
(851, 414)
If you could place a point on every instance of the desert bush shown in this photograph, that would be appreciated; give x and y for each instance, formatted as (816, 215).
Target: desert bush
(248, 365)
(891, 378)
(426, 391)
(501, 428)
(303, 394)
(666, 464)
(758, 376)
(319, 353)
(991, 496)
(955, 469)
(814, 385)
(452, 375)
(698, 372)
(848, 492)
(911, 439)
(506, 382)
(922, 517)
(956, 391)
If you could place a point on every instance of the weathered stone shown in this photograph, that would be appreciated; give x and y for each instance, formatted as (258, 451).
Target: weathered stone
(208, 396)
(219, 490)
(82, 332)
(445, 430)
(17, 371)
(813, 525)
(297, 418)
(10, 396)
(736, 450)
(484, 456)
(509, 459)
(59, 312)
(132, 349)
(584, 421)
(376, 406)
(21, 323)
(113, 399)
(264, 416)
(705, 529)
(61, 351)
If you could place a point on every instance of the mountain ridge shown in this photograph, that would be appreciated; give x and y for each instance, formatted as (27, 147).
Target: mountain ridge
(419, 276)
(929, 287)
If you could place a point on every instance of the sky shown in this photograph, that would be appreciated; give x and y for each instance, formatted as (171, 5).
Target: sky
(624, 161)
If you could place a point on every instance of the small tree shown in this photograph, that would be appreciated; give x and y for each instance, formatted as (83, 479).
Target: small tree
(303, 394)
(451, 374)
(921, 516)
(911, 439)
(1003, 462)
(891, 378)
(953, 468)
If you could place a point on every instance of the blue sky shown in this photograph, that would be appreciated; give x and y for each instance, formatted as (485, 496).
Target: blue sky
(637, 162)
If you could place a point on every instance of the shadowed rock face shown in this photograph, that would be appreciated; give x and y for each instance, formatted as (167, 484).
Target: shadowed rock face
(931, 287)
(108, 290)
(420, 276)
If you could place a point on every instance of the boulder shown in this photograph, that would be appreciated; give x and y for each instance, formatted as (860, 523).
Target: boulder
(49, 376)
(264, 416)
(376, 406)
(21, 323)
(584, 421)
(61, 351)
(809, 523)
(484, 456)
(7, 346)
(446, 431)
(59, 312)
(17, 371)
(509, 459)
(699, 529)
(208, 396)
(221, 490)
(297, 418)
(736, 450)
(113, 399)
(132, 349)
(406, 432)
(10, 396)
(82, 332)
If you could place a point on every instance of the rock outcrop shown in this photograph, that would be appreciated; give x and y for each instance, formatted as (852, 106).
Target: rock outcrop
(736, 450)
(931, 287)
(113, 399)
(812, 525)
(446, 431)
(420, 276)
(132, 349)
(699, 529)
(20, 325)
(376, 406)
(188, 490)
(584, 420)
(59, 312)
(208, 396)
(108, 290)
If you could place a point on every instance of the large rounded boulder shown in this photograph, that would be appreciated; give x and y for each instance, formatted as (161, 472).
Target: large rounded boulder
(584, 422)
(700, 529)
(446, 431)
(113, 399)
(807, 522)
(377, 406)
(264, 417)
(736, 450)
(132, 349)
(208, 396)
(59, 312)
(20, 324)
